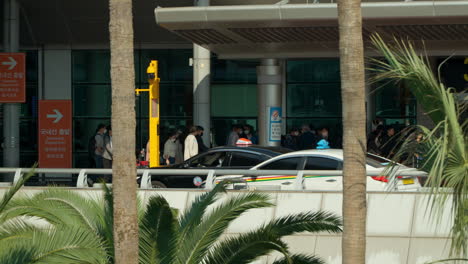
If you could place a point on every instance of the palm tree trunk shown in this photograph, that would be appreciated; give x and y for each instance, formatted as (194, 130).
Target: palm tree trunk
(354, 133)
(123, 122)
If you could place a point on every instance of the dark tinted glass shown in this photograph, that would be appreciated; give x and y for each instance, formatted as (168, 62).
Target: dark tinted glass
(317, 163)
(173, 64)
(453, 73)
(283, 164)
(245, 159)
(234, 71)
(91, 66)
(395, 104)
(233, 100)
(92, 100)
(313, 70)
(215, 159)
(32, 64)
(314, 100)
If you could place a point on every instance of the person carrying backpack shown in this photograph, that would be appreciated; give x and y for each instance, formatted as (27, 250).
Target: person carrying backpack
(99, 149)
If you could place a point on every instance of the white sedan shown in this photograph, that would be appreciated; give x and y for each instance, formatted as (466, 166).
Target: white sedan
(324, 160)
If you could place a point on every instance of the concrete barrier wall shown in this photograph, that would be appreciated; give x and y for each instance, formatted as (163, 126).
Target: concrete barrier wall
(398, 228)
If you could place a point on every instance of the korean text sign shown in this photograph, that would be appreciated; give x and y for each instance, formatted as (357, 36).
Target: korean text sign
(55, 134)
(12, 77)
(275, 114)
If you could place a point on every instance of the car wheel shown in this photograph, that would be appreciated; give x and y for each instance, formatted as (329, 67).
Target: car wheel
(158, 185)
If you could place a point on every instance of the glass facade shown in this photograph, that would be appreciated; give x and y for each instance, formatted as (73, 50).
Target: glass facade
(312, 96)
(233, 96)
(395, 104)
(92, 94)
(28, 114)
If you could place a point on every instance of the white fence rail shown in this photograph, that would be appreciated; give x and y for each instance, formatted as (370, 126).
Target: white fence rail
(82, 181)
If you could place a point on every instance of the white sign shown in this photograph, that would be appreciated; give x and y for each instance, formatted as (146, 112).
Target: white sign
(274, 121)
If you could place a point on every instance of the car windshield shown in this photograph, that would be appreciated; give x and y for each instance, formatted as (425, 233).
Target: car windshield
(376, 161)
(215, 159)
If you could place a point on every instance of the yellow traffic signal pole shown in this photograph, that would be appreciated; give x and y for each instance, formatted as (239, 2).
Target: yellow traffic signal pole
(153, 103)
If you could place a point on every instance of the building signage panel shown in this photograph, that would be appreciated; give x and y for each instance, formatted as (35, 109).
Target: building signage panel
(55, 134)
(12, 78)
(275, 120)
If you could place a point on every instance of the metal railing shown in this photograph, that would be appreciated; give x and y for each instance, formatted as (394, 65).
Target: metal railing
(82, 180)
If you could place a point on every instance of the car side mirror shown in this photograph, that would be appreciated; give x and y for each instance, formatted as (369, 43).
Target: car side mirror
(186, 165)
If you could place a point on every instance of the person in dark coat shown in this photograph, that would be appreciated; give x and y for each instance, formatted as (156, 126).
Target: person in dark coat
(388, 142)
(374, 140)
(307, 140)
(201, 146)
(291, 140)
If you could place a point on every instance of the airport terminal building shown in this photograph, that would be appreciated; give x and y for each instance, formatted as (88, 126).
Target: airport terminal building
(253, 55)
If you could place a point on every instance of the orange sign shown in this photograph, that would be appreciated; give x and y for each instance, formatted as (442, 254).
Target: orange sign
(12, 78)
(55, 134)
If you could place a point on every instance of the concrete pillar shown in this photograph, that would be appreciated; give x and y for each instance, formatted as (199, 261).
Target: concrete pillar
(11, 111)
(201, 85)
(57, 84)
(269, 94)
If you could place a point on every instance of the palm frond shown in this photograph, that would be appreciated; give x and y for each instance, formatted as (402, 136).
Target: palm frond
(444, 147)
(15, 230)
(193, 215)
(246, 248)
(195, 246)
(300, 259)
(105, 225)
(56, 245)
(23, 255)
(15, 188)
(157, 236)
(68, 245)
(403, 63)
(305, 222)
(58, 207)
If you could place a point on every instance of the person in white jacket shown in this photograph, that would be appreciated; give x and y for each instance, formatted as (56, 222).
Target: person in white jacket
(190, 144)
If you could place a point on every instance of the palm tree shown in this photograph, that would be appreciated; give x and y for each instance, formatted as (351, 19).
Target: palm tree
(24, 242)
(124, 125)
(354, 131)
(444, 147)
(165, 237)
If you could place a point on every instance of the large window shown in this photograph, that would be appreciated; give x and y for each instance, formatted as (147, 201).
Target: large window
(233, 96)
(314, 96)
(395, 104)
(283, 164)
(92, 94)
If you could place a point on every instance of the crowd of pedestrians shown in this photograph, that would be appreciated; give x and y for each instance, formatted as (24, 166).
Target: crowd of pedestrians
(178, 147)
(308, 138)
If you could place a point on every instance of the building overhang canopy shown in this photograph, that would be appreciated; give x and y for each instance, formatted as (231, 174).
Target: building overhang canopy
(311, 30)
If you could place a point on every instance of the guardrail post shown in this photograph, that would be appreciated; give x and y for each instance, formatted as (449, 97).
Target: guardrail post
(82, 181)
(299, 182)
(210, 180)
(146, 180)
(18, 175)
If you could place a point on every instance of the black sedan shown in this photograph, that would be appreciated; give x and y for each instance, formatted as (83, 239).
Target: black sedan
(216, 158)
